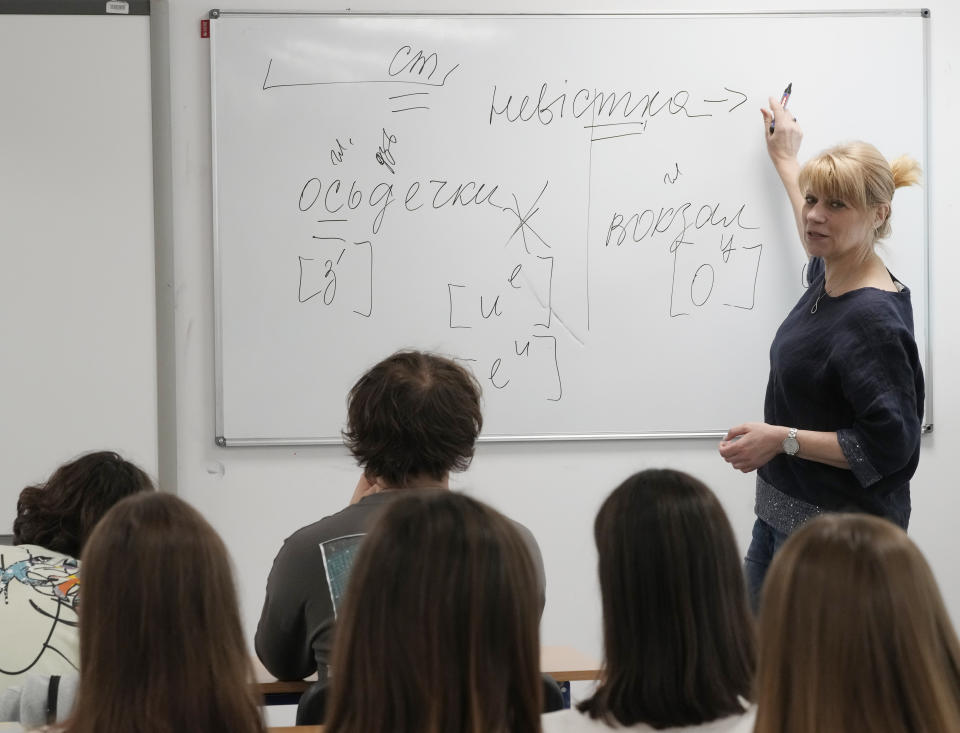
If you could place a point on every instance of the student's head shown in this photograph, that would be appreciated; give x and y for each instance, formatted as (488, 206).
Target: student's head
(161, 647)
(857, 175)
(678, 631)
(413, 416)
(61, 513)
(439, 631)
(854, 635)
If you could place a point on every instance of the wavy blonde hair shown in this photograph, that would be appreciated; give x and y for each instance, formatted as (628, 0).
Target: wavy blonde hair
(859, 175)
(854, 635)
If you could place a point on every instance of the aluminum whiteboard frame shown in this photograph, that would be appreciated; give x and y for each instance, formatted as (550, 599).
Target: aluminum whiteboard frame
(217, 14)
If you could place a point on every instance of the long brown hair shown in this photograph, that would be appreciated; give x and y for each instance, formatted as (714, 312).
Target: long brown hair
(161, 647)
(61, 513)
(854, 635)
(439, 632)
(678, 633)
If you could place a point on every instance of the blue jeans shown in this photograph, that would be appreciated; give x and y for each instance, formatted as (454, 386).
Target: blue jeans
(765, 543)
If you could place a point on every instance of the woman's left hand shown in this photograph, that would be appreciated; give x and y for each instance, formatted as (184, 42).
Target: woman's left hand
(751, 445)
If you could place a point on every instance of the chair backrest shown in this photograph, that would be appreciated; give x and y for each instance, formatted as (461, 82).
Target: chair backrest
(552, 695)
(313, 704)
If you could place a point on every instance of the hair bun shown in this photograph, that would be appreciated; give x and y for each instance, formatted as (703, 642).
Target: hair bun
(906, 171)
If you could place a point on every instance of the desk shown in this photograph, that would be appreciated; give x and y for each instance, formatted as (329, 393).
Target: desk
(566, 664)
(563, 663)
(279, 692)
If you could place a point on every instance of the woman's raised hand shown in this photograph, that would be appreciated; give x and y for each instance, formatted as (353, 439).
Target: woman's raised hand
(784, 142)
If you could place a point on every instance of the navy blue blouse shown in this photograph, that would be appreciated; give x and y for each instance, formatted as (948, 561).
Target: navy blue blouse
(847, 364)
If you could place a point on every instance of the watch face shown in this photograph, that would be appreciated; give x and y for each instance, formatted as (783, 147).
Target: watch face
(790, 446)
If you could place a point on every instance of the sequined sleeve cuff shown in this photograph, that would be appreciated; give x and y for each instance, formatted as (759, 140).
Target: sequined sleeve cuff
(862, 469)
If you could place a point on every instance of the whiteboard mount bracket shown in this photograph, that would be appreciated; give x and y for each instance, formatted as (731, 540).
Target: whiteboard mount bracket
(214, 13)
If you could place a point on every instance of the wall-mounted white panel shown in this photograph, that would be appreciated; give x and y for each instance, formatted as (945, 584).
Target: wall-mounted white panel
(77, 290)
(579, 207)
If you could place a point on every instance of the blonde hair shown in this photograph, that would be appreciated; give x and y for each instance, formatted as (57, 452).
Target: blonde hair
(854, 635)
(857, 174)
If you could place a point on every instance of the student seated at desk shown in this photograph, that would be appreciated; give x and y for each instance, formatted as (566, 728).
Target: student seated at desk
(39, 575)
(412, 419)
(677, 628)
(161, 647)
(854, 635)
(440, 626)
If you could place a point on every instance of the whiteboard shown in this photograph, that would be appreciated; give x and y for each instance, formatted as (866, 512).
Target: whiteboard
(77, 291)
(580, 208)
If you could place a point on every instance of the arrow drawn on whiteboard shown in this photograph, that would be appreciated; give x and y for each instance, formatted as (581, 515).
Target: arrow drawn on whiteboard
(727, 99)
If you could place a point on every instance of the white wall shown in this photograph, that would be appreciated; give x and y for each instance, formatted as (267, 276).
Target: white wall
(256, 496)
(78, 370)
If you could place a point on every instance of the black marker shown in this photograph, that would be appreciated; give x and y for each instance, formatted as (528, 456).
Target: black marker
(783, 101)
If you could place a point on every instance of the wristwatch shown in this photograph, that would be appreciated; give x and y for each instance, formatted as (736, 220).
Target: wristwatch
(790, 444)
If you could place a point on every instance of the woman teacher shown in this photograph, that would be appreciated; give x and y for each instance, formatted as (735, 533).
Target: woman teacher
(844, 399)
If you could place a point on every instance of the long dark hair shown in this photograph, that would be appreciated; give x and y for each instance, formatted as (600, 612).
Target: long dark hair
(854, 634)
(413, 414)
(677, 629)
(61, 513)
(439, 632)
(161, 647)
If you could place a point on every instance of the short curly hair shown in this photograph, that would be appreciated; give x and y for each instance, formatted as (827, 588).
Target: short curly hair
(60, 514)
(413, 414)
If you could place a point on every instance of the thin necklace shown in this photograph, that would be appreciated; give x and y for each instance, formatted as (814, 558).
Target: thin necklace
(823, 291)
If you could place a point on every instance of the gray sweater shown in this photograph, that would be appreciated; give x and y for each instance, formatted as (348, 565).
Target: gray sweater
(295, 633)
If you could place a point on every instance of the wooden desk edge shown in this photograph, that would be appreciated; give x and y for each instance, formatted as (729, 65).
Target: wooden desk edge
(293, 687)
(563, 663)
(574, 675)
(283, 687)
